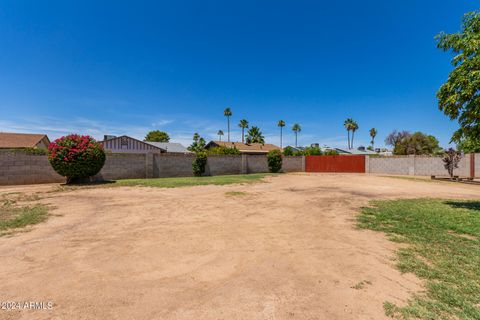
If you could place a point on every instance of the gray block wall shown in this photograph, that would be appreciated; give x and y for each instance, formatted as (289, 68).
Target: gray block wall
(293, 164)
(172, 165)
(224, 164)
(123, 166)
(257, 164)
(18, 167)
(477, 165)
(415, 165)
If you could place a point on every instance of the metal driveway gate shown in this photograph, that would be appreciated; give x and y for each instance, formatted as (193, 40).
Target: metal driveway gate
(353, 163)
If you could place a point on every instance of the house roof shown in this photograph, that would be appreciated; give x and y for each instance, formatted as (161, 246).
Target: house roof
(245, 147)
(21, 140)
(128, 143)
(170, 146)
(355, 151)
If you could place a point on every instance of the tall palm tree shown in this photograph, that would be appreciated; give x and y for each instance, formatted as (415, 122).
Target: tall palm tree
(220, 134)
(244, 125)
(281, 124)
(254, 135)
(348, 125)
(228, 113)
(354, 128)
(373, 134)
(296, 128)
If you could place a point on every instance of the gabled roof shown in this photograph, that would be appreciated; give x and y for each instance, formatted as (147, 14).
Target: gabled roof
(355, 151)
(118, 143)
(170, 146)
(21, 140)
(245, 147)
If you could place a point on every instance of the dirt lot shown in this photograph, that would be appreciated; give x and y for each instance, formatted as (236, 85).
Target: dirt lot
(287, 249)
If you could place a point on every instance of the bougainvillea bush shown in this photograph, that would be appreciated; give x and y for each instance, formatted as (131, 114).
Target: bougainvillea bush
(76, 157)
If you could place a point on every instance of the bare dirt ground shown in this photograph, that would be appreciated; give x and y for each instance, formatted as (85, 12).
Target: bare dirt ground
(287, 249)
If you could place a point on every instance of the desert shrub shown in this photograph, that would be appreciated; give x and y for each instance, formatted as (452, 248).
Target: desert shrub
(451, 160)
(76, 157)
(274, 158)
(199, 163)
(222, 150)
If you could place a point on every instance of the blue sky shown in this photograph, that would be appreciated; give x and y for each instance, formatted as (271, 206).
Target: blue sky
(127, 67)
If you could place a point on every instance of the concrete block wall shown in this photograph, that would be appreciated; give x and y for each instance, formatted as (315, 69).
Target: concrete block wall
(293, 164)
(172, 165)
(256, 164)
(415, 165)
(18, 167)
(123, 166)
(224, 164)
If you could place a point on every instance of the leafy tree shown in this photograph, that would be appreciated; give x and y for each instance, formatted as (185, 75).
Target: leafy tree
(254, 135)
(418, 143)
(296, 128)
(220, 134)
(459, 96)
(228, 113)
(157, 136)
(274, 159)
(244, 125)
(373, 134)
(312, 151)
(281, 124)
(468, 145)
(354, 127)
(348, 125)
(198, 144)
(451, 160)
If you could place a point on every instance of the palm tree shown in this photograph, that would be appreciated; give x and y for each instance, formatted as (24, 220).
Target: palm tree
(373, 134)
(354, 128)
(243, 124)
(220, 134)
(228, 113)
(296, 128)
(254, 135)
(281, 124)
(348, 125)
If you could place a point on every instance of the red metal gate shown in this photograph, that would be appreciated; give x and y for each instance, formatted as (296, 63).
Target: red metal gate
(354, 163)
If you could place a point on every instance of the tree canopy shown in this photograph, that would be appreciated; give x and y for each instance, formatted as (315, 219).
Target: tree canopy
(198, 144)
(459, 96)
(157, 136)
(254, 135)
(418, 143)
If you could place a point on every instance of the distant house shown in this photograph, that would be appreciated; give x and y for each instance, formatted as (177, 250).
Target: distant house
(23, 140)
(245, 148)
(170, 147)
(126, 144)
(358, 151)
(295, 149)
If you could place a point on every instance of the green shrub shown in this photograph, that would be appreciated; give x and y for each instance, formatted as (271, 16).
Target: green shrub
(288, 151)
(331, 152)
(222, 150)
(274, 158)
(199, 164)
(76, 157)
(312, 151)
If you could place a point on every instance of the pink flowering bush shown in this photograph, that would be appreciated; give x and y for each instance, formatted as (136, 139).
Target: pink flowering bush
(76, 157)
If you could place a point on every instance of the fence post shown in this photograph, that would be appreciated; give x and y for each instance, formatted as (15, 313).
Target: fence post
(303, 163)
(149, 165)
(244, 164)
(472, 166)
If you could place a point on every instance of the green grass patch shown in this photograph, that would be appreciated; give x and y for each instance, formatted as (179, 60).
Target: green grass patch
(444, 250)
(14, 217)
(193, 181)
